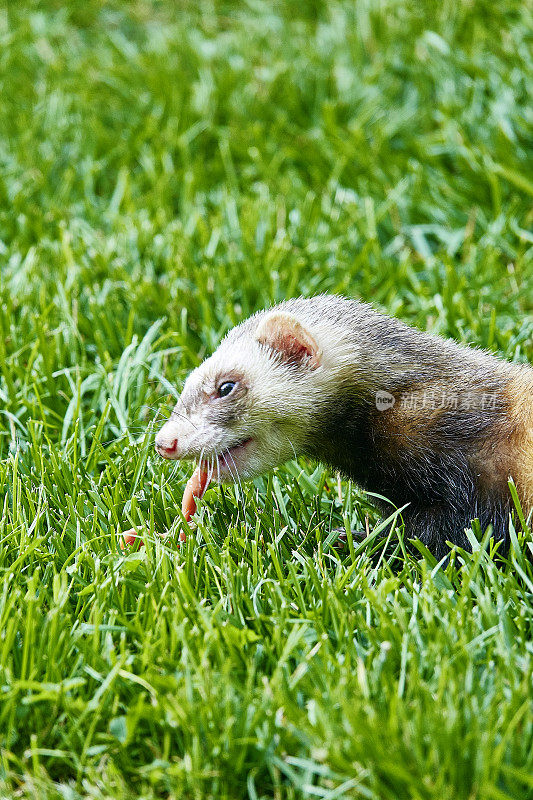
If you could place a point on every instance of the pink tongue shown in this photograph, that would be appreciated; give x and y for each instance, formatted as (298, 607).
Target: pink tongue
(196, 486)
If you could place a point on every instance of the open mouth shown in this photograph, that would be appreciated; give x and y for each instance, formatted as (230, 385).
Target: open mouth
(229, 461)
(235, 450)
(226, 467)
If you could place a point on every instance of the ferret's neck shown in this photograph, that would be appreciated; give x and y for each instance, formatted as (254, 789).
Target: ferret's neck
(342, 435)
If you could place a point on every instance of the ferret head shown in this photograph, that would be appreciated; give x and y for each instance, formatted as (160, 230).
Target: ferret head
(250, 405)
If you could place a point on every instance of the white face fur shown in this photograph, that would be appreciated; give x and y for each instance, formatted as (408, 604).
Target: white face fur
(248, 407)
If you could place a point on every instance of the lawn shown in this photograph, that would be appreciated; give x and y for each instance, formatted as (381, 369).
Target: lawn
(166, 168)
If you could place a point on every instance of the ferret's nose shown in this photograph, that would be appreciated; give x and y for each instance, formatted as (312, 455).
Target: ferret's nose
(166, 445)
(167, 450)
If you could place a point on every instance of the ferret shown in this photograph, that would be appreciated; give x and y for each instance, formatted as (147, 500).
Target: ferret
(423, 421)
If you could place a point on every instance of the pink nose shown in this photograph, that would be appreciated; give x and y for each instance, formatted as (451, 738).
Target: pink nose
(167, 450)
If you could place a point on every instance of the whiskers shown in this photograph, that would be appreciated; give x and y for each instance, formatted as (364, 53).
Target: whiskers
(141, 430)
(234, 474)
(292, 446)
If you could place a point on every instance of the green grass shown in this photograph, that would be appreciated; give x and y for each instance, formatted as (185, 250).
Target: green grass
(166, 169)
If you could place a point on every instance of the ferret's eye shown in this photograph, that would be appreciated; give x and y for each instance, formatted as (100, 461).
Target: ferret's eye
(225, 388)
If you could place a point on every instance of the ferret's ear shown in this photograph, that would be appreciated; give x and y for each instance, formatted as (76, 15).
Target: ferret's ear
(284, 334)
